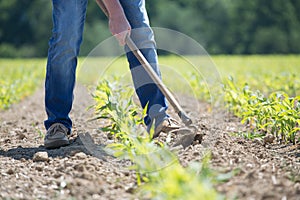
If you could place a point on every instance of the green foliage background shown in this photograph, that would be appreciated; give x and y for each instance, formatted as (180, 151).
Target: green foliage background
(221, 26)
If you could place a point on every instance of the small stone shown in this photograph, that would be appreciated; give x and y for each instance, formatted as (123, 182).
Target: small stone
(249, 165)
(57, 175)
(39, 168)
(40, 157)
(258, 141)
(81, 155)
(130, 188)
(126, 173)
(10, 171)
(7, 140)
(63, 184)
(196, 154)
(80, 167)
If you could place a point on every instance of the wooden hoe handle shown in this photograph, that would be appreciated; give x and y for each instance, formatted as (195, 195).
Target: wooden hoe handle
(138, 54)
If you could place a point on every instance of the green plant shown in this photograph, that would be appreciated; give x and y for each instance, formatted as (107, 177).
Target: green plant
(18, 79)
(158, 170)
(278, 114)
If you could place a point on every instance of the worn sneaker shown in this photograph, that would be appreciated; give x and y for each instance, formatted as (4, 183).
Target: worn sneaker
(56, 136)
(166, 126)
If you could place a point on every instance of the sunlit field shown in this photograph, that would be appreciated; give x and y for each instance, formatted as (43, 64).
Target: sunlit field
(20, 77)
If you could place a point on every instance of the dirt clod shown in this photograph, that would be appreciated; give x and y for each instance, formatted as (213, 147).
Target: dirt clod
(10, 171)
(81, 155)
(40, 157)
(269, 139)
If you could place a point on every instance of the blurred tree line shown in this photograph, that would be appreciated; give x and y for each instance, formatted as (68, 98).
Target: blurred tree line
(221, 26)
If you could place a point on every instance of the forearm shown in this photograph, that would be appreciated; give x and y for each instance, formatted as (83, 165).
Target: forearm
(113, 7)
(118, 23)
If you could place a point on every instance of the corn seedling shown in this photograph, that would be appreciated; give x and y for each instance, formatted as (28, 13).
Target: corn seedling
(18, 81)
(159, 172)
(277, 114)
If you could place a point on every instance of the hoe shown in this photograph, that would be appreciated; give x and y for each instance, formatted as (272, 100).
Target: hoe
(187, 134)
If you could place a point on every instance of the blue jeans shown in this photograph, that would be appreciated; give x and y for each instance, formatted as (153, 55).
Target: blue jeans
(64, 46)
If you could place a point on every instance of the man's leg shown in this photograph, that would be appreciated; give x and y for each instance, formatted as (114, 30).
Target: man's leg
(148, 93)
(68, 23)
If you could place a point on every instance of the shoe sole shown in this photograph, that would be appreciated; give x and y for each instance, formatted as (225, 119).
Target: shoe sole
(166, 130)
(57, 144)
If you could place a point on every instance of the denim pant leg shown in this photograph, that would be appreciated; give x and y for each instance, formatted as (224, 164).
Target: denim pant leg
(148, 93)
(68, 22)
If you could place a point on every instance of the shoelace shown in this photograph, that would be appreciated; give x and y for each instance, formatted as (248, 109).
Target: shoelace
(172, 121)
(56, 127)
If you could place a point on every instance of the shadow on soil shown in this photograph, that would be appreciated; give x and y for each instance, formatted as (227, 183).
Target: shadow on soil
(82, 143)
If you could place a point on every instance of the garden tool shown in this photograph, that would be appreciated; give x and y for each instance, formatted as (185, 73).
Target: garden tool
(187, 134)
